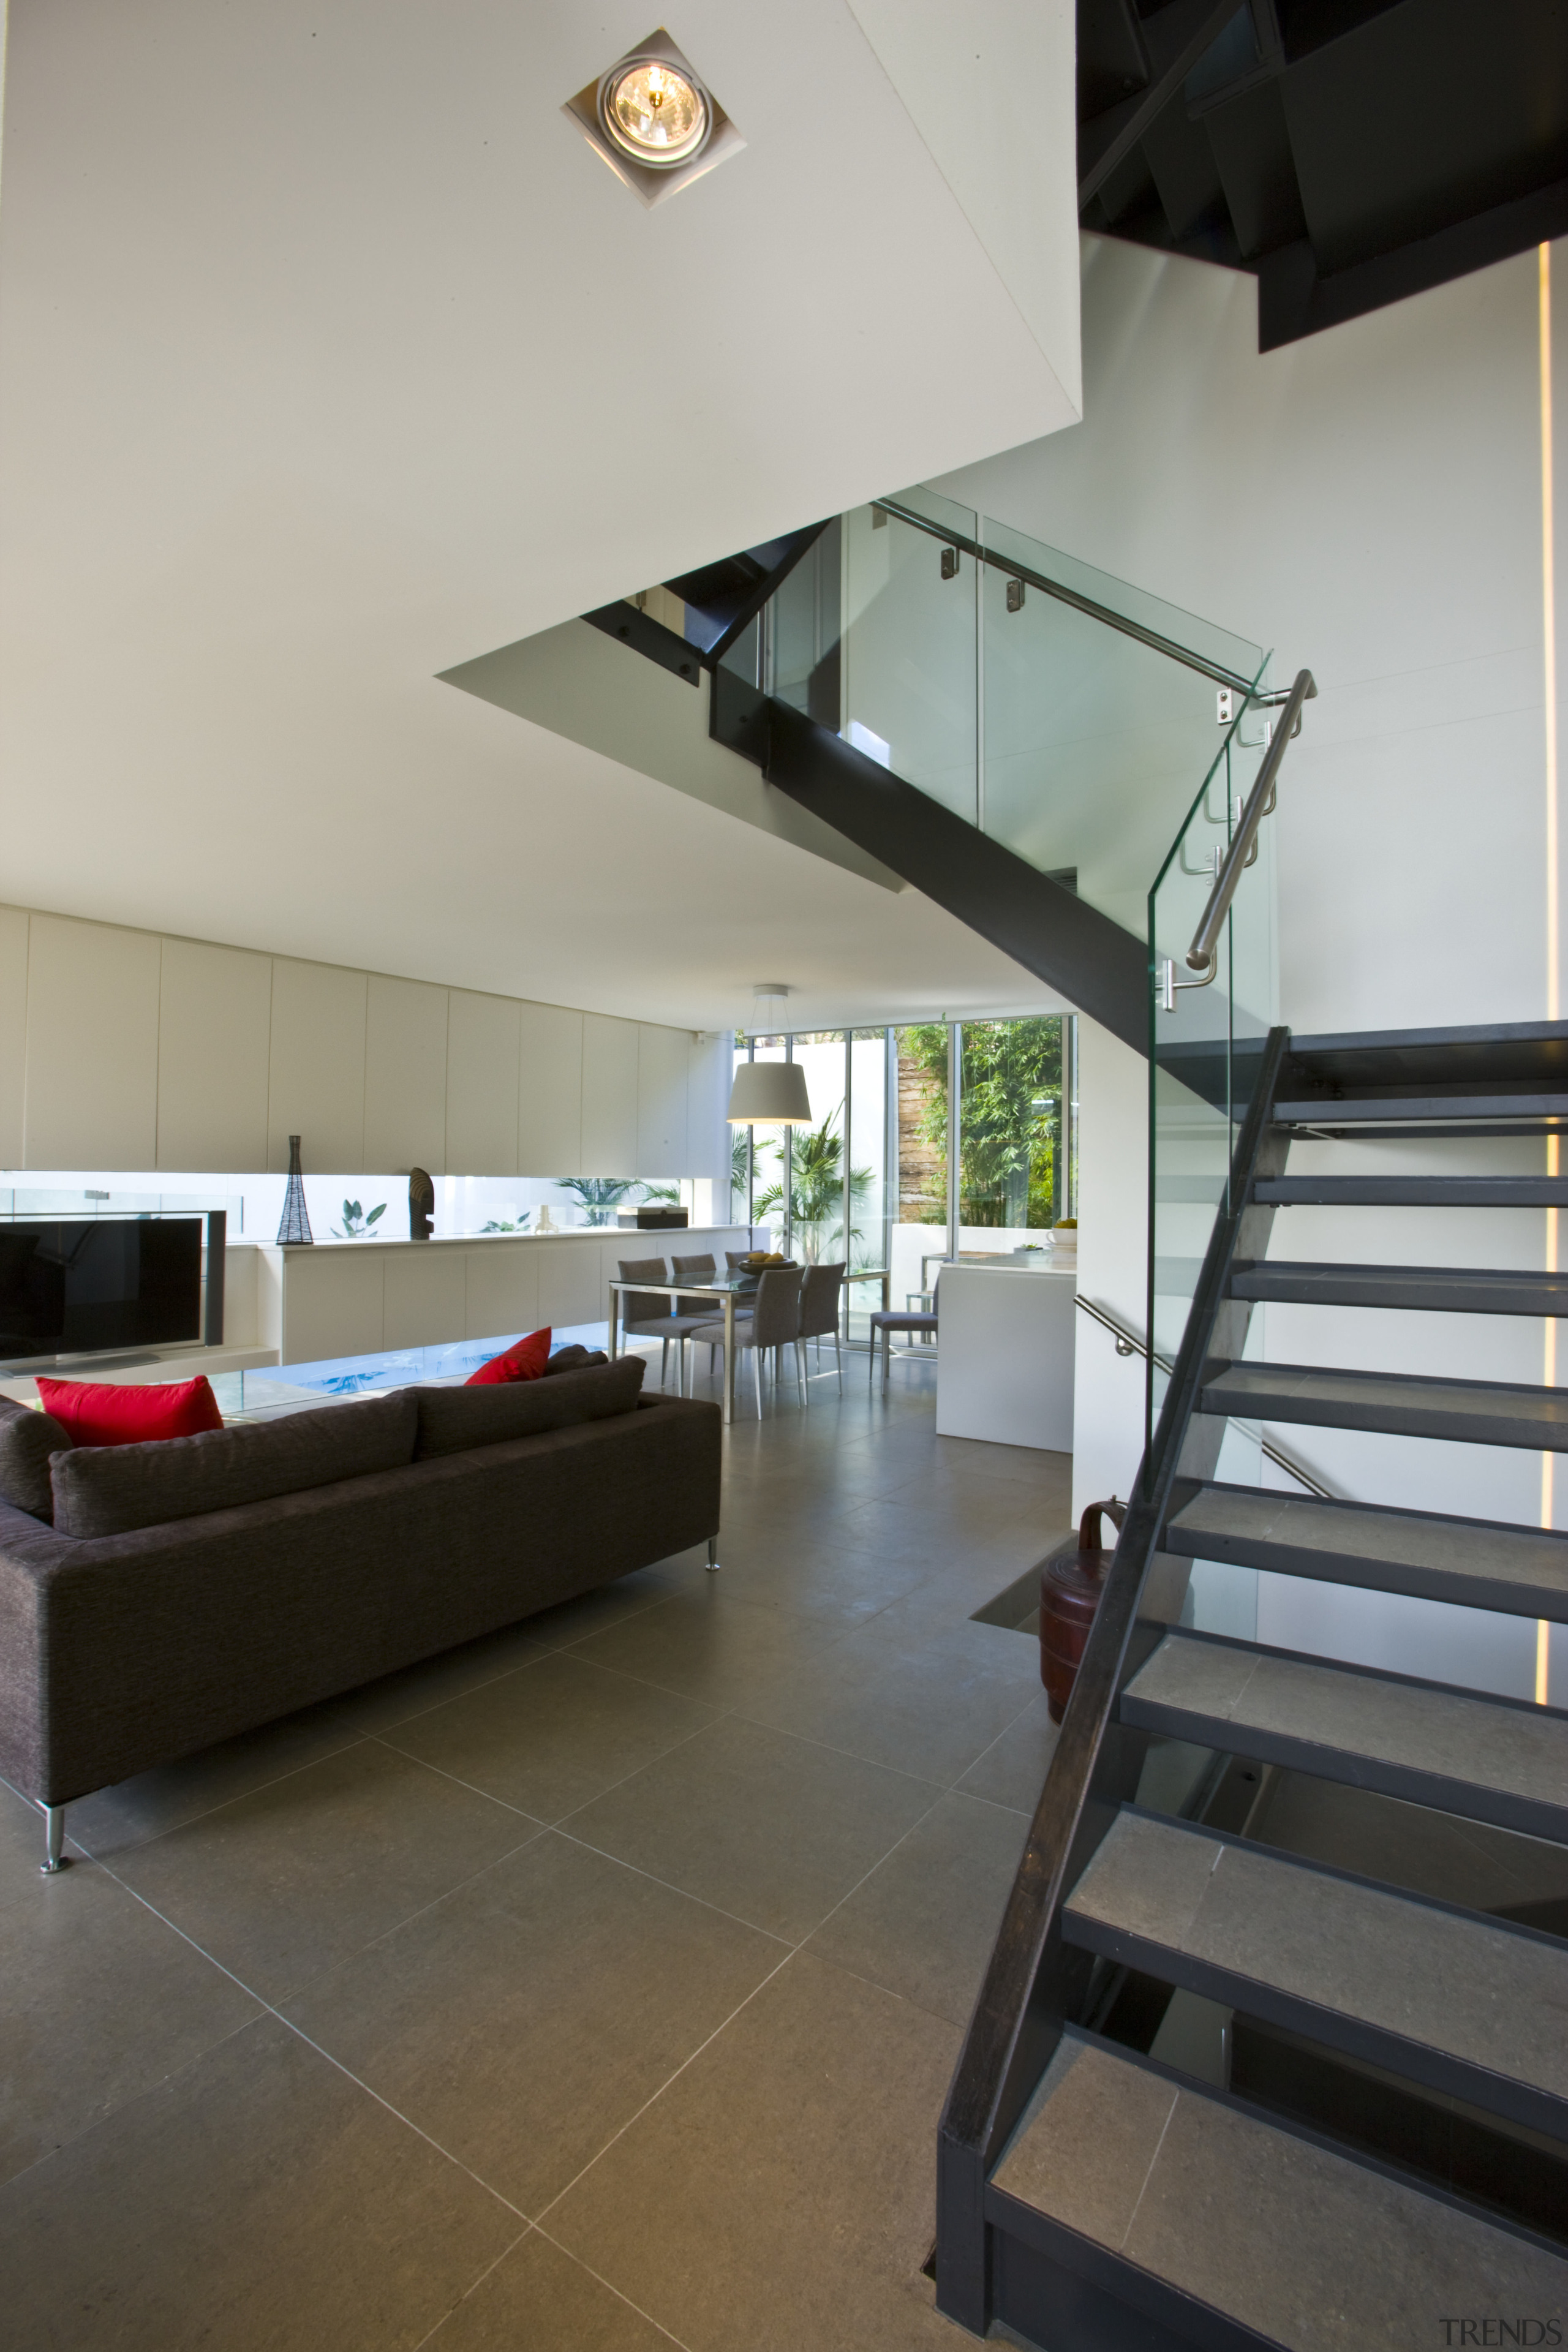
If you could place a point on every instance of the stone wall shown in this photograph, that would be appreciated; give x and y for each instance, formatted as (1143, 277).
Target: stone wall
(922, 1165)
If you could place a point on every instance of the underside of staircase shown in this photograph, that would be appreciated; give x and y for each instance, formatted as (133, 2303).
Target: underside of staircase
(1273, 2049)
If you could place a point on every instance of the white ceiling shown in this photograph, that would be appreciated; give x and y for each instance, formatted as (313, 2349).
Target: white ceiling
(331, 356)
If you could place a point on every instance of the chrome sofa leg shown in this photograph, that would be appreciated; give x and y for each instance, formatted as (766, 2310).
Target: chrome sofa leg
(712, 1555)
(53, 1837)
(838, 1359)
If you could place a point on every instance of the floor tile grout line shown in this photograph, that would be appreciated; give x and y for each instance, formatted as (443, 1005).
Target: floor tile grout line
(522, 2239)
(852, 1757)
(689, 2060)
(1001, 1736)
(539, 1831)
(876, 1866)
(738, 1713)
(792, 1953)
(355, 1740)
(487, 1681)
(453, 1779)
(120, 2106)
(890, 1992)
(603, 1853)
(540, 2231)
(430, 2141)
(555, 1823)
(272, 2010)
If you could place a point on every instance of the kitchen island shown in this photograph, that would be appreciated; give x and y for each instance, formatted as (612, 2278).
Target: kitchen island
(1005, 1360)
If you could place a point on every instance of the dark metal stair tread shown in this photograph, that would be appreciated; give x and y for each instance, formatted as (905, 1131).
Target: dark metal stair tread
(1329, 1111)
(1400, 1404)
(1481, 1563)
(1490, 1759)
(1444, 1996)
(1460, 1290)
(1478, 1059)
(1413, 1192)
(1297, 2243)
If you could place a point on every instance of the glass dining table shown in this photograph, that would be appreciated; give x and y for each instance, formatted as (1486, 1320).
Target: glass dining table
(722, 1291)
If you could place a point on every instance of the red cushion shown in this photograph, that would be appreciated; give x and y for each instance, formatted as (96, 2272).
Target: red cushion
(524, 1361)
(104, 1412)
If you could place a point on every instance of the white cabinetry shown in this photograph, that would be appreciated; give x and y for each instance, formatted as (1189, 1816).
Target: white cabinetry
(332, 1304)
(662, 1058)
(317, 1090)
(1004, 1361)
(424, 1298)
(12, 1032)
(550, 1091)
(609, 1096)
(483, 1044)
(92, 1046)
(501, 1289)
(405, 1076)
(215, 1020)
(570, 1288)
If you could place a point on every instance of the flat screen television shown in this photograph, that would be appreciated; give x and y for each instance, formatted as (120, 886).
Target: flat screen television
(72, 1286)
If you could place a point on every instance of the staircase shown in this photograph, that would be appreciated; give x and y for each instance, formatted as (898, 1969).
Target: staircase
(1273, 2047)
(1011, 731)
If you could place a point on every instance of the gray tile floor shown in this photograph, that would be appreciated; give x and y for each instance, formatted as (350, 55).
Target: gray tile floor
(592, 1989)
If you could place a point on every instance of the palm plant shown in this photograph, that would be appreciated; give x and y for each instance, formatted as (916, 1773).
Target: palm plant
(598, 1194)
(817, 1189)
(356, 1224)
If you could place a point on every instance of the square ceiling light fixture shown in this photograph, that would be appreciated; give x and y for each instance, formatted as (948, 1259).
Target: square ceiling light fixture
(654, 120)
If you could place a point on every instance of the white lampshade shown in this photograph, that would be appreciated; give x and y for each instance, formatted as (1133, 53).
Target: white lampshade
(769, 1094)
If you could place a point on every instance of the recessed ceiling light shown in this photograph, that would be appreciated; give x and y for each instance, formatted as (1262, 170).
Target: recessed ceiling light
(654, 119)
(656, 114)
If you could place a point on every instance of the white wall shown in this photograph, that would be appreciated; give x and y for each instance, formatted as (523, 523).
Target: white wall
(125, 1050)
(1112, 1197)
(1367, 502)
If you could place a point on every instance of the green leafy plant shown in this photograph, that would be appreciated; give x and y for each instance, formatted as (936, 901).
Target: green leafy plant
(600, 1195)
(816, 1189)
(1008, 1169)
(505, 1225)
(356, 1224)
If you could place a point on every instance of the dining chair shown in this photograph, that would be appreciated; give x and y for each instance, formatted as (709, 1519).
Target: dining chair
(819, 1297)
(773, 1322)
(699, 1268)
(887, 1321)
(646, 1314)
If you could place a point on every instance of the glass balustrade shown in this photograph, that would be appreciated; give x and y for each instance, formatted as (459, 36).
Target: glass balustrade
(1207, 1036)
(1109, 737)
(1063, 711)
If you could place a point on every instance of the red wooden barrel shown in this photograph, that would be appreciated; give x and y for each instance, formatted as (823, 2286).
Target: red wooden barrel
(1071, 1581)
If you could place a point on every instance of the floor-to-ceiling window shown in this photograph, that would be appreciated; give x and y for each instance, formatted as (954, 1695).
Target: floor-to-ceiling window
(869, 1182)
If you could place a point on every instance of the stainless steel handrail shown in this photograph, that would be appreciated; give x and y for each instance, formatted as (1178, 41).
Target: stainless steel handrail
(1243, 847)
(1128, 1343)
(1065, 595)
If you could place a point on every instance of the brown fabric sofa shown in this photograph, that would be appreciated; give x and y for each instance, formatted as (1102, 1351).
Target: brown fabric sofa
(122, 1650)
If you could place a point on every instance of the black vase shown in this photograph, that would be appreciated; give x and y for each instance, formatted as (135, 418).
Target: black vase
(296, 1221)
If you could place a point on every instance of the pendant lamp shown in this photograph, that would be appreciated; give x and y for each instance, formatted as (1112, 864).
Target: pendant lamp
(769, 1094)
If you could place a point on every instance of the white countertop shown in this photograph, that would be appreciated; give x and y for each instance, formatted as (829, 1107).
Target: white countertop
(643, 1234)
